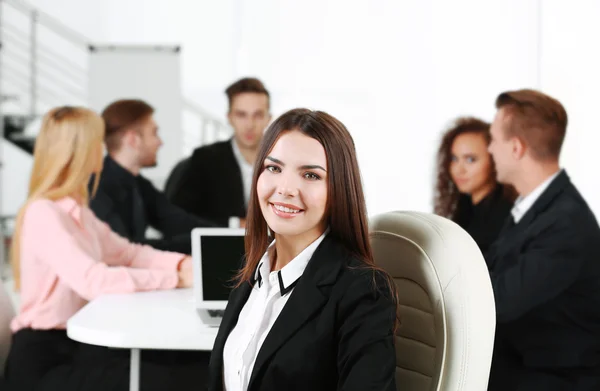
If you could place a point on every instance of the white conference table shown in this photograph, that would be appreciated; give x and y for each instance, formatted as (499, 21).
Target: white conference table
(146, 320)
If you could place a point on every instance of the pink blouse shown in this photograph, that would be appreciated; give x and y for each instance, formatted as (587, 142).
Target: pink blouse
(69, 257)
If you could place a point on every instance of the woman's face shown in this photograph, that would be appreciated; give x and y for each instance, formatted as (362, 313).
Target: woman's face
(471, 166)
(292, 187)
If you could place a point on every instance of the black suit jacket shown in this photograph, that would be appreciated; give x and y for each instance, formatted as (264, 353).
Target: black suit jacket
(335, 331)
(545, 273)
(211, 184)
(114, 201)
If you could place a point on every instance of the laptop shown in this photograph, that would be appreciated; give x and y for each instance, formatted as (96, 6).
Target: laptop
(217, 255)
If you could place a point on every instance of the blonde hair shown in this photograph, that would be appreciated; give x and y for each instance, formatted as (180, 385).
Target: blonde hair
(63, 161)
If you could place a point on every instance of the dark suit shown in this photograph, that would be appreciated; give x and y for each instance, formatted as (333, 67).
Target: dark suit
(545, 273)
(129, 203)
(335, 331)
(211, 184)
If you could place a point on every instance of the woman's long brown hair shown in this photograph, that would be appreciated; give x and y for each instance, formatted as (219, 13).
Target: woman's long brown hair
(446, 197)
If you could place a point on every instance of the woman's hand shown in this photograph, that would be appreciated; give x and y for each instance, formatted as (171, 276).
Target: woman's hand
(186, 276)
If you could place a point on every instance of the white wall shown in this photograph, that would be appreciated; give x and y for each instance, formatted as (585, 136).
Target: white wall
(16, 168)
(148, 73)
(570, 71)
(395, 72)
(204, 28)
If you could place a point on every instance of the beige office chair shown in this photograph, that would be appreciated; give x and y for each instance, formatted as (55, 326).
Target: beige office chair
(446, 304)
(7, 312)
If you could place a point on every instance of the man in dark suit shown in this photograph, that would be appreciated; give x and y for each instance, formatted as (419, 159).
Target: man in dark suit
(215, 181)
(127, 201)
(545, 266)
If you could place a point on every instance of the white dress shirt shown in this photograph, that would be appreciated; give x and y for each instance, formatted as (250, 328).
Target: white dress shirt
(245, 168)
(523, 204)
(267, 298)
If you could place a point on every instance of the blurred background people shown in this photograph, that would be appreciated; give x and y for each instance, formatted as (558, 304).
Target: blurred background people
(467, 191)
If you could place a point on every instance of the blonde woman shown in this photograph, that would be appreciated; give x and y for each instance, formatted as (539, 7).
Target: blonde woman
(63, 257)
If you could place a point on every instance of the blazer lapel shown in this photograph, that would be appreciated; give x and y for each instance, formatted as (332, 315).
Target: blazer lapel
(512, 232)
(556, 187)
(305, 301)
(236, 302)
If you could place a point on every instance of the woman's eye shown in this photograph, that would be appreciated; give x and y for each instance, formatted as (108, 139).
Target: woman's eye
(312, 176)
(273, 168)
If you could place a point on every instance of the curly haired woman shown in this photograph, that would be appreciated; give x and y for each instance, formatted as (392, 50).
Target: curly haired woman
(467, 191)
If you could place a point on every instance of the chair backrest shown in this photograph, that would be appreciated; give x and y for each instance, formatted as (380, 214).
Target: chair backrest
(7, 312)
(446, 303)
(174, 179)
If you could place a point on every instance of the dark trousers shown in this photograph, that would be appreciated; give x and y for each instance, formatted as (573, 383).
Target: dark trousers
(47, 360)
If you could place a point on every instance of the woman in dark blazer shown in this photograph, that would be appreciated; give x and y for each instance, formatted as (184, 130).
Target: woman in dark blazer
(310, 311)
(467, 191)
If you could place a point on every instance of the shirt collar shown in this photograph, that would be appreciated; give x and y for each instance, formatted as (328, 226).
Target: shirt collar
(238, 155)
(523, 204)
(289, 275)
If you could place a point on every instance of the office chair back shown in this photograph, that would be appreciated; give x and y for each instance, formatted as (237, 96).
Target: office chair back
(446, 304)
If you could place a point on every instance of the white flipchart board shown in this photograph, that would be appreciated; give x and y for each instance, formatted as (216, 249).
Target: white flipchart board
(151, 73)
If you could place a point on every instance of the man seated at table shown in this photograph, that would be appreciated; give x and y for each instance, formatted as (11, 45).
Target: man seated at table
(127, 201)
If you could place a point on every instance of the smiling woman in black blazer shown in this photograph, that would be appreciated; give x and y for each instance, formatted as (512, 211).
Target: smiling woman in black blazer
(310, 311)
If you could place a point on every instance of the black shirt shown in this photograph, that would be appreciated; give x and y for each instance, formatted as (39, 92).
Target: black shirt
(130, 203)
(484, 220)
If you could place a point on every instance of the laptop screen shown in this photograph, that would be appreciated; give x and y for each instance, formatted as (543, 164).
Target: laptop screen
(222, 257)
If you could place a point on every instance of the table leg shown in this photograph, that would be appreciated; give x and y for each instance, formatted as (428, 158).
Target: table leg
(134, 370)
